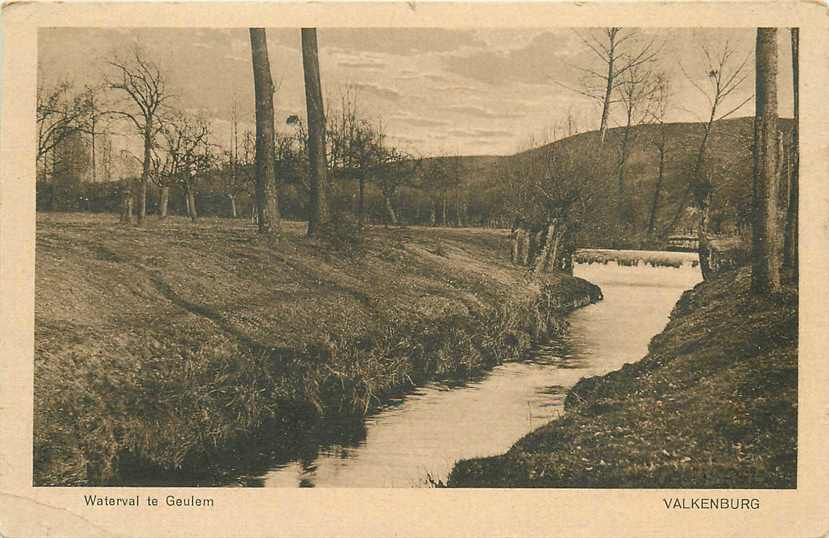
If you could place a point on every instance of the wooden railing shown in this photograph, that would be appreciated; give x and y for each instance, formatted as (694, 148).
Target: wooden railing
(685, 243)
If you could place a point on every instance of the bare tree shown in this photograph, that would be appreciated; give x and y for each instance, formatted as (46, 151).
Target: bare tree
(790, 255)
(635, 91)
(437, 176)
(266, 194)
(232, 183)
(724, 76)
(563, 197)
(765, 268)
(550, 196)
(94, 115)
(145, 88)
(106, 157)
(59, 113)
(317, 166)
(619, 51)
(394, 169)
(164, 173)
(660, 140)
(186, 153)
(200, 162)
(358, 152)
(236, 177)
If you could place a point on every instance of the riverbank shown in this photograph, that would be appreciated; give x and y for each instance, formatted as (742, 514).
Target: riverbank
(712, 405)
(164, 349)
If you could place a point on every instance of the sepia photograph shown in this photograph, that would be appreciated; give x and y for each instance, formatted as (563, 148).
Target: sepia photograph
(416, 258)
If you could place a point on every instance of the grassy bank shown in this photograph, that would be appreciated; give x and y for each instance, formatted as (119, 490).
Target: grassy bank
(712, 405)
(166, 347)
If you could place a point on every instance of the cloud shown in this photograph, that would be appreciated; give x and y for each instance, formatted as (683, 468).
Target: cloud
(357, 60)
(479, 112)
(481, 133)
(360, 65)
(396, 41)
(399, 41)
(455, 88)
(404, 140)
(378, 91)
(419, 122)
(407, 76)
(534, 63)
(424, 82)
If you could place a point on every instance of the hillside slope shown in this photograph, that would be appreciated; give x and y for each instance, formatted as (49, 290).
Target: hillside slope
(729, 166)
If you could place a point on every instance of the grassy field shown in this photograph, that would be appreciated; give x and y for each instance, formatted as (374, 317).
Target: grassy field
(165, 347)
(712, 405)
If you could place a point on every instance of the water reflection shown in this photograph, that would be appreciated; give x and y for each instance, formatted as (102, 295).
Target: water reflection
(424, 433)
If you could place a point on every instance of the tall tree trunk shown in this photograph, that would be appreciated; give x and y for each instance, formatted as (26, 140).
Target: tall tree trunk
(361, 184)
(145, 172)
(549, 252)
(568, 250)
(515, 238)
(444, 215)
(765, 269)
(680, 208)
(532, 246)
(163, 202)
(524, 247)
(392, 216)
(316, 132)
(126, 205)
(194, 213)
(608, 94)
(782, 173)
(790, 255)
(696, 183)
(433, 213)
(266, 193)
(191, 204)
(704, 207)
(233, 212)
(92, 134)
(657, 192)
(620, 186)
(127, 209)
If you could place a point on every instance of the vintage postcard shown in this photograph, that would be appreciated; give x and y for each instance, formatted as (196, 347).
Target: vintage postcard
(414, 269)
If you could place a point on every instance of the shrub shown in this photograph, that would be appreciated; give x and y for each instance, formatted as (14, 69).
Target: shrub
(342, 232)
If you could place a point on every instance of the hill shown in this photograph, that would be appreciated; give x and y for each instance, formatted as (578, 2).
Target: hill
(729, 167)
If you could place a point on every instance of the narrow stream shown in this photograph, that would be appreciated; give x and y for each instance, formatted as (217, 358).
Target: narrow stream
(427, 431)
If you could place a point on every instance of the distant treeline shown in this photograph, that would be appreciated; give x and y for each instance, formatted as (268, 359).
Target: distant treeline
(484, 191)
(414, 207)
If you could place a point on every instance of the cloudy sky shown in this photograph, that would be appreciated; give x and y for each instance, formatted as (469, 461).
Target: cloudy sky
(437, 91)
